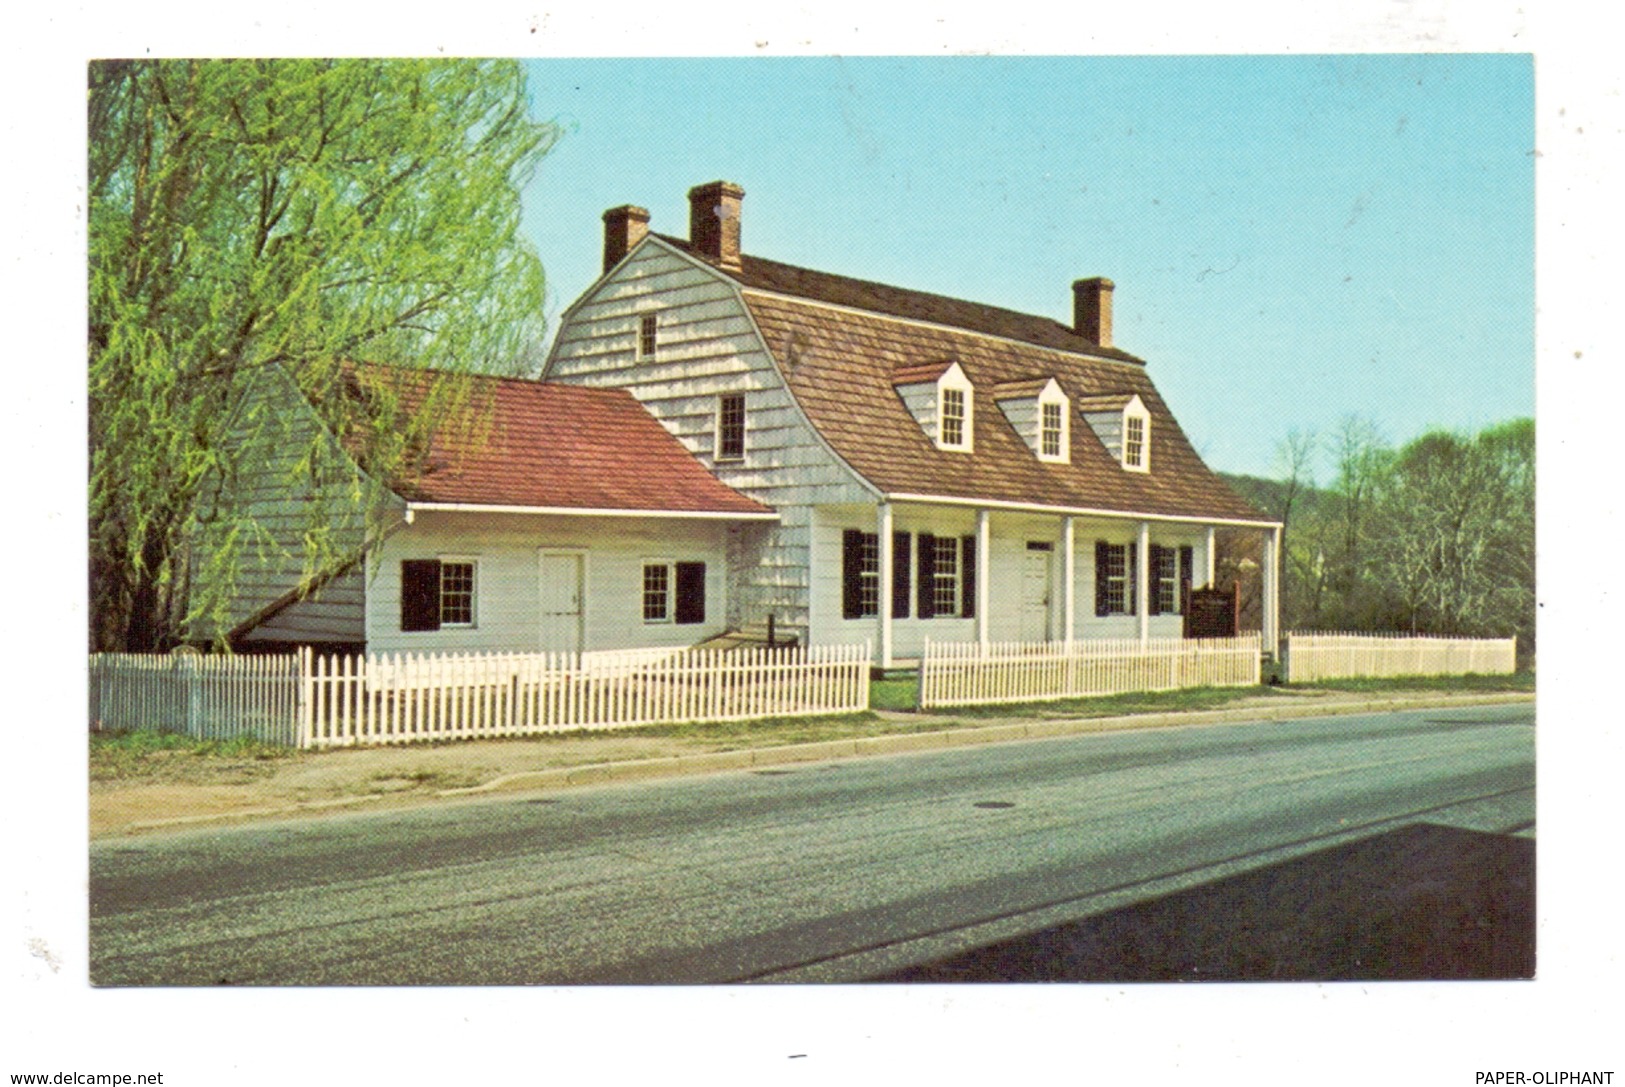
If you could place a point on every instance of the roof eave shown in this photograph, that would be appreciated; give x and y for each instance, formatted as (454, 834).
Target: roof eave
(592, 511)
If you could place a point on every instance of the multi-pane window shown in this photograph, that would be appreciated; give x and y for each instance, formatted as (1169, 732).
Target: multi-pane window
(945, 575)
(731, 427)
(456, 594)
(437, 593)
(1165, 579)
(656, 592)
(647, 327)
(674, 592)
(869, 575)
(860, 574)
(952, 430)
(1050, 430)
(1133, 441)
(1114, 578)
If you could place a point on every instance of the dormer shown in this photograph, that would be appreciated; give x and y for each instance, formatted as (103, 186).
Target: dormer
(1040, 412)
(1123, 425)
(942, 400)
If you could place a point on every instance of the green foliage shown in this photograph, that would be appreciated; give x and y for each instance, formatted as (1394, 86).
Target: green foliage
(1436, 537)
(249, 214)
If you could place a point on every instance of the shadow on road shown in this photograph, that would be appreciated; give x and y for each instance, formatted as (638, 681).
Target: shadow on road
(1423, 902)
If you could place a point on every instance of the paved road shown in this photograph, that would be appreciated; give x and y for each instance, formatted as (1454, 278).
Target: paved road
(827, 872)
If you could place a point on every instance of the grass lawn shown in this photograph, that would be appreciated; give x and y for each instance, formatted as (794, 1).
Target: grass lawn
(901, 693)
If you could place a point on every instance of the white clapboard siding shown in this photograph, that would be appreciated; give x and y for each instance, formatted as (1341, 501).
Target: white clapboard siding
(211, 698)
(957, 674)
(1315, 655)
(404, 698)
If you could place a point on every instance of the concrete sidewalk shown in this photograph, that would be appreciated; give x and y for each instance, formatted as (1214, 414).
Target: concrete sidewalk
(313, 783)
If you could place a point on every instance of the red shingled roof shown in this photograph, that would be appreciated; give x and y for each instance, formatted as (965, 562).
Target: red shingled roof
(535, 444)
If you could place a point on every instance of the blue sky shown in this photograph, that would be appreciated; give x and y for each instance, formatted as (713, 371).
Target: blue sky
(1294, 238)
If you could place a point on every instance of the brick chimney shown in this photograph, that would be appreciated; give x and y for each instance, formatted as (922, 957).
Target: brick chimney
(1092, 309)
(624, 227)
(713, 222)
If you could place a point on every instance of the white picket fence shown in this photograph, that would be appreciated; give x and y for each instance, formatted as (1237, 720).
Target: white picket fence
(212, 698)
(964, 674)
(307, 700)
(1313, 655)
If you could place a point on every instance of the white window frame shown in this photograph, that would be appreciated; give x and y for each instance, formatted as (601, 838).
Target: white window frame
(744, 428)
(1159, 583)
(473, 564)
(953, 379)
(648, 329)
(869, 577)
(1051, 396)
(1136, 412)
(947, 583)
(668, 593)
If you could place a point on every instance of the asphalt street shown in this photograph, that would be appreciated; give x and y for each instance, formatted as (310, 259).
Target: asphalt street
(906, 867)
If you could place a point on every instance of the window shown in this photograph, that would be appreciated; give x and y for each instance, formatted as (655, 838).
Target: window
(656, 592)
(648, 324)
(674, 592)
(947, 581)
(437, 593)
(1050, 430)
(945, 576)
(860, 574)
(952, 422)
(1114, 578)
(1170, 578)
(1134, 429)
(731, 427)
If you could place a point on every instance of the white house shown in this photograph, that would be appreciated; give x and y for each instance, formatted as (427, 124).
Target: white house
(855, 460)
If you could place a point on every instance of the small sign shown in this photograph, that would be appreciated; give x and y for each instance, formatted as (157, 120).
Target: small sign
(1212, 613)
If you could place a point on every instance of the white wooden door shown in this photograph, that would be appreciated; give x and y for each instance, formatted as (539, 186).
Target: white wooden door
(563, 593)
(1035, 596)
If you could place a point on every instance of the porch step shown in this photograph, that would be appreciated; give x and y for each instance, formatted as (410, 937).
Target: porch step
(751, 636)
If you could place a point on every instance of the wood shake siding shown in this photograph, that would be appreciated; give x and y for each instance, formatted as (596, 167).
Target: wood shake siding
(285, 501)
(709, 347)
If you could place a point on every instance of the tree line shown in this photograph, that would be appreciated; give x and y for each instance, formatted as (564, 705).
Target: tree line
(1436, 536)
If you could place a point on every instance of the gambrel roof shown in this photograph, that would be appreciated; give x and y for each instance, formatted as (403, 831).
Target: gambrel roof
(842, 344)
(538, 445)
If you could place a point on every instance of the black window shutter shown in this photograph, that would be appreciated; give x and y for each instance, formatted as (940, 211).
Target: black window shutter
(420, 594)
(851, 567)
(928, 576)
(967, 577)
(1131, 578)
(1152, 590)
(1102, 568)
(690, 592)
(899, 574)
(1187, 557)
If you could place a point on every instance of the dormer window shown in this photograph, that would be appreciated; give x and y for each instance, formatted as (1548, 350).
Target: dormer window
(952, 419)
(942, 400)
(1050, 426)
(1038, 410)
(648, 327)
(1123, 424)
(1136, 437)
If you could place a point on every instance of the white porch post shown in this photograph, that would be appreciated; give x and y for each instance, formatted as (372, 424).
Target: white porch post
(1271, 618)
(883, 528)
(1142, 582)
(1210, 546)
(984, 543)
(1069, 577)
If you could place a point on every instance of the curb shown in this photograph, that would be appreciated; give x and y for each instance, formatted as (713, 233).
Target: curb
(827, 750)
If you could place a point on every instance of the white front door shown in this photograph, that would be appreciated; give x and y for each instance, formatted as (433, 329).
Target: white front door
(563, 589)
(1035, 596)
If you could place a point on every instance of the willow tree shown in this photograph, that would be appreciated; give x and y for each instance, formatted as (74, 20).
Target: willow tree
(251, 214)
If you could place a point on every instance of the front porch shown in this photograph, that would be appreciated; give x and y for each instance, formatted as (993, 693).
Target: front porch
(903, 572)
